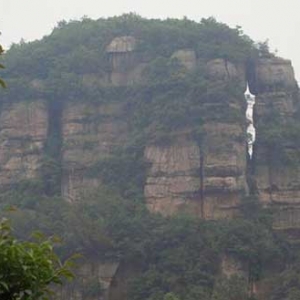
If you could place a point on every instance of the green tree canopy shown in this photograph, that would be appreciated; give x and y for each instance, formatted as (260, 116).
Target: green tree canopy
(28, 268)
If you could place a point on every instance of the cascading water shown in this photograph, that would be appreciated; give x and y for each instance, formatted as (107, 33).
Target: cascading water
(251, 133)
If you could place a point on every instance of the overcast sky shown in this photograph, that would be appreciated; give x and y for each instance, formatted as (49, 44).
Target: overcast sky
(276, 20)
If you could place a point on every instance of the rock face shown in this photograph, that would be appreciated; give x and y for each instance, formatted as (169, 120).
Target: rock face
(90, 133)
(173, 182)
(206, 179)
(224, 170)
(207, 182)
(220, 69)
(125, 66)
(277, 182)
(274, 73)
(23, 133)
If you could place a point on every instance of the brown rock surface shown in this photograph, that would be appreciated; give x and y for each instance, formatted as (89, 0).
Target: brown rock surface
(178, 181)
(282, 102)
(173, 181)
(274, 74)
(125, 68)
(224, 170)
(23, 133)
(220, 69)
(121, 44)
(278, 183)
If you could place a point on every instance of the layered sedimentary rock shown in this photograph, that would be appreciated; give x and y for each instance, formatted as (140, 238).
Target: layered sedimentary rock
(90, 133)
(273, 73)
(207, 178)
(173, 182)
(207, 182)
(221, 69)
(125, 65)
(224, 170)
(23, 133)
(277, 180)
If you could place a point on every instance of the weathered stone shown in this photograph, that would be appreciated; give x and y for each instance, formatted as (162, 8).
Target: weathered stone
(173, 181)
(277, 183)
(274, 74)
(224, 170)
(122, 44)
(284, 103)
(23, 133)
(221, 69)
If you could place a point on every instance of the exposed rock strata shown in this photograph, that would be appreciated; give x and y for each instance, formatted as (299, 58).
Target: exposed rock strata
(23, 133)
(224, 170)
(277, 182)
(220, 69)
(273, 74)
(125, 66)
(173, 182)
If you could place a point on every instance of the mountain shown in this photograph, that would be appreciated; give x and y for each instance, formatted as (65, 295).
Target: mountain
(127, 137)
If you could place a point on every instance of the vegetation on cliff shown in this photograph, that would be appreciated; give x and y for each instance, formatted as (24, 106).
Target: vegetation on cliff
(176, 257)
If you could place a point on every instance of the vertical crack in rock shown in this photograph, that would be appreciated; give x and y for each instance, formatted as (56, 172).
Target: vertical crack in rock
(51, 167)
(251, 132)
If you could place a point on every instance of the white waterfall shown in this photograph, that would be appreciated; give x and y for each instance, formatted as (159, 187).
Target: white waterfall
(251, 133)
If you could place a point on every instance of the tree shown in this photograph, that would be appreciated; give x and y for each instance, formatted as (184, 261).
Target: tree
(2, 83)
(28, 268)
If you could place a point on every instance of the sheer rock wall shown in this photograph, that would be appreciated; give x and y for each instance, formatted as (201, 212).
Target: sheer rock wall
(277, 181)
(23, 133)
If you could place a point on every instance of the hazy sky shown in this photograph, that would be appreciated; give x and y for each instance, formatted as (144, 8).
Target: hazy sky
(276, 20)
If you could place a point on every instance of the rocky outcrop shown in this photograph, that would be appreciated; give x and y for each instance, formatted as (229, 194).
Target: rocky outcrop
(277, 181)
(173, 182)
(23, 133)
(209, 178)
(273, 74)
(91, 131)
(224, 170)
(221, 69)
(126, 68)
(207, 182)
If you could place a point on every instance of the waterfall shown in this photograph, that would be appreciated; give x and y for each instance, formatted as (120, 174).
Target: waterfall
(251, 133)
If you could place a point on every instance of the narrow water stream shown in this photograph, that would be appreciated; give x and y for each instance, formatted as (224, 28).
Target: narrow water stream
(251, 133)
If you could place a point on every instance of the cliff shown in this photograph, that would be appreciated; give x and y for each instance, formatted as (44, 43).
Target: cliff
(150, 123)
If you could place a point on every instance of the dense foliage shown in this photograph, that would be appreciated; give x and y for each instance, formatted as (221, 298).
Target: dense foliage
(78, 47)
(179, 255)
(27, 269)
